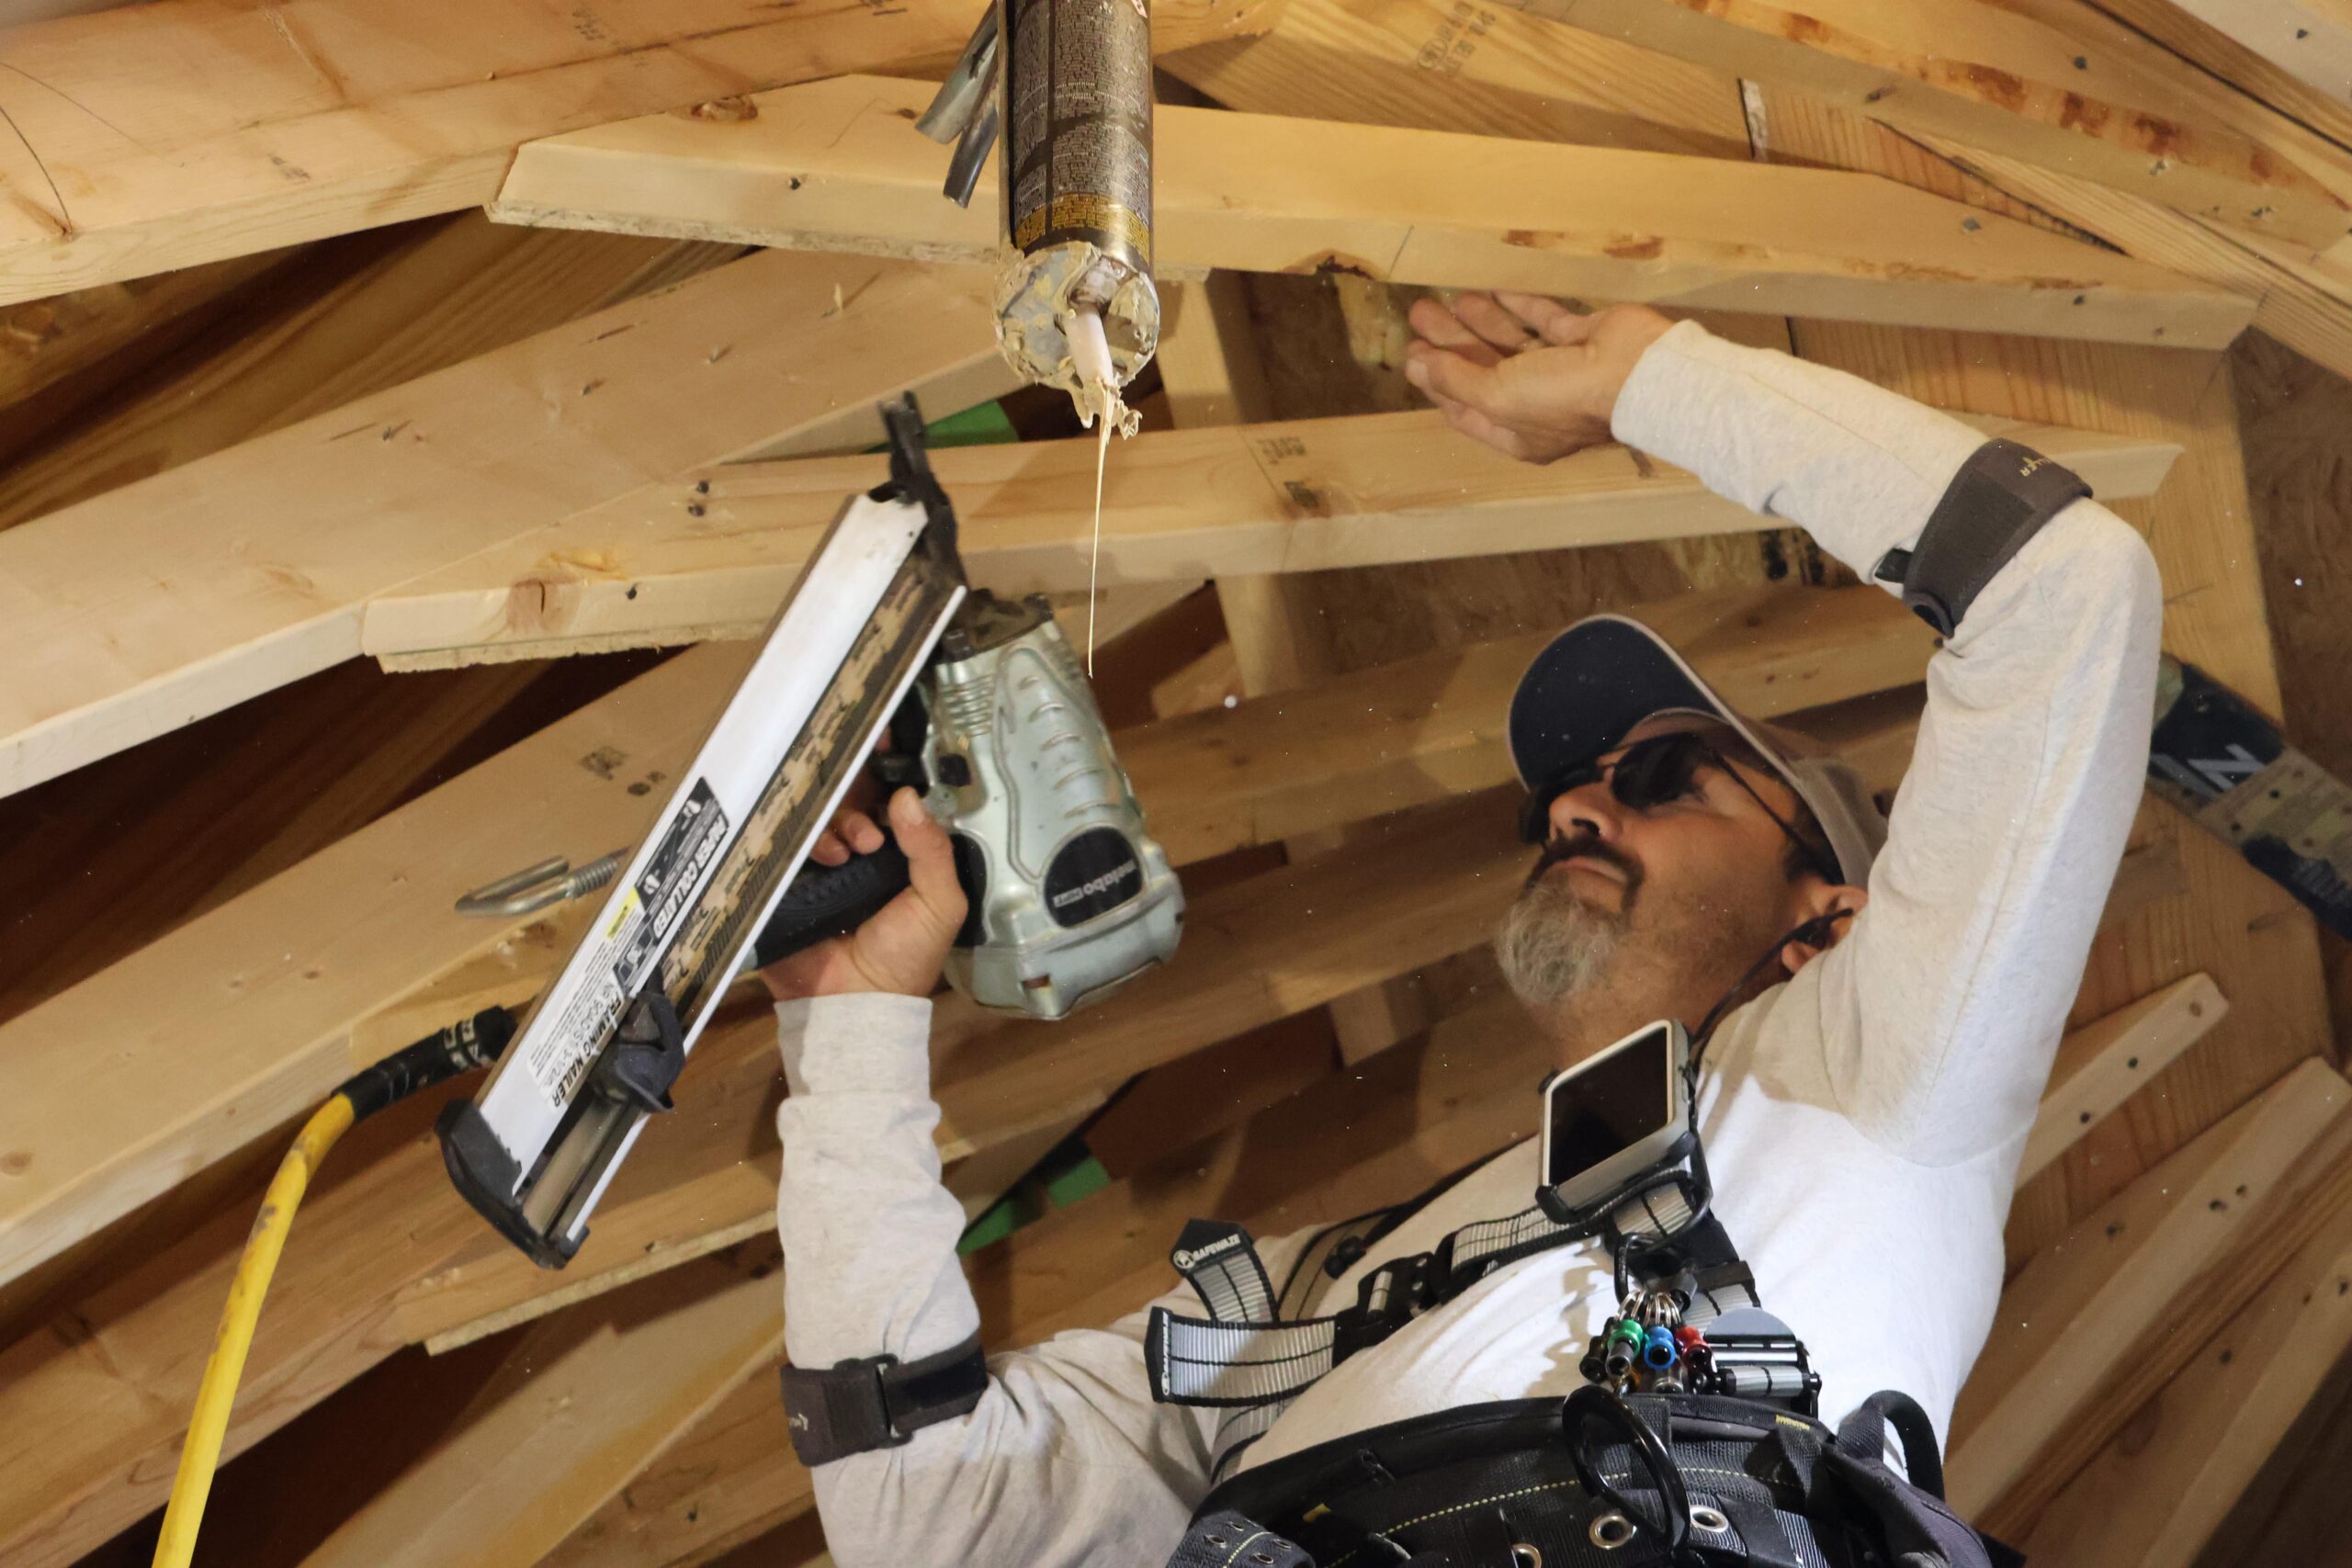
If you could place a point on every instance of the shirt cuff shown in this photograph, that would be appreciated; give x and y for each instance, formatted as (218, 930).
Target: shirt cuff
(861, 1043)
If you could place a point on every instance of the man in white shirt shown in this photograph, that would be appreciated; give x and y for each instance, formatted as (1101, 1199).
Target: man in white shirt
(1893, 1007)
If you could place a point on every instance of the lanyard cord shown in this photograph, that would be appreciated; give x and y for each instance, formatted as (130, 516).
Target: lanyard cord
(1816, 930)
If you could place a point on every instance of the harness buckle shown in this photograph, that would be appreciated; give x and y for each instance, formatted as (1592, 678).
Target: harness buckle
(1386, 1298)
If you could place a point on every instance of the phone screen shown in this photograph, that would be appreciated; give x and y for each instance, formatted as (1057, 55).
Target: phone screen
(1615, 1102)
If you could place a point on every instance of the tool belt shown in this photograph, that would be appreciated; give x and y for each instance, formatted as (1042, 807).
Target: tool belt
(1595, 1481)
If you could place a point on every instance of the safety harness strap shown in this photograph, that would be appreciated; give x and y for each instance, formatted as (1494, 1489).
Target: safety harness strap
(879, 1401)
(1247, 1360)
(2000, 498)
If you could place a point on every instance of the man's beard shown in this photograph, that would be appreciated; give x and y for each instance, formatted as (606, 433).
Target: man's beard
(1552, 945)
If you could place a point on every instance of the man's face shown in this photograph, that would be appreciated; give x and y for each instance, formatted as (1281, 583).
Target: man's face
(1634, 915)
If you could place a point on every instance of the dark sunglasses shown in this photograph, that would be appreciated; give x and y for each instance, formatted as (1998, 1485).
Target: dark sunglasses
(1650, 773)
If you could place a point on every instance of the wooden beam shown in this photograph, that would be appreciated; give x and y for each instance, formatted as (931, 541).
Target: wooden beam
(2309, 39)
(1486, 70)
(728, 1480)
(1212, 366)
(2052, 83)
(168, 135)
(2105, 1063)
(2158, 1494)
(119, 858)
(575, 1410)
(341, 320)
(249, 1010)
(713, 551)
(586, 1400)
(2173, 1248)
(43, 342)
(2295, 302)
(270, 550)
(2234, 74)
(1369, 62)
(1407, 206)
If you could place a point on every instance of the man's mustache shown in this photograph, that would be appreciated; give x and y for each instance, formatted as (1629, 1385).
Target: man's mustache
(1586, 846)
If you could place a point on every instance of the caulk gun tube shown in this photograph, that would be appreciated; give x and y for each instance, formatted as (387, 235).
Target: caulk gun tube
(1076, 179)
(1077, 110)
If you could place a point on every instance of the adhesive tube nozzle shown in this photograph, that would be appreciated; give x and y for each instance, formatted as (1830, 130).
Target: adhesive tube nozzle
(1089, 355)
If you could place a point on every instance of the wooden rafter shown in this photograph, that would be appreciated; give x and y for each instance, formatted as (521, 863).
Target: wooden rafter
(2299, 303)
(575, 1409)
(270, 550)
(194, 129)
(43, 342)
(2157, 1497)
(834, 165)
(342, 320)
(1517, 76)
(2102, 1064)
(2309, 39)
(2224, 55)
(2095, 1324)
(1486, 71)
(2054, 83)
(712, 551)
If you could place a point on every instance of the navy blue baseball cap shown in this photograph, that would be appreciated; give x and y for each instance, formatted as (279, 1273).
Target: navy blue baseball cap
(1596, 681)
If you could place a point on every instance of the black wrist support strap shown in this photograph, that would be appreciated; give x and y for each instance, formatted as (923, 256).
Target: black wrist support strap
(880, 1401)
(2000, 498)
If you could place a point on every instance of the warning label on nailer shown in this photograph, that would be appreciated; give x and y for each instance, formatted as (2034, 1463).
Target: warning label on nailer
(630, 945)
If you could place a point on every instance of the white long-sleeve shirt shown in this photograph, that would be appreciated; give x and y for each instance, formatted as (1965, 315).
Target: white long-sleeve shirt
(1863, 1121)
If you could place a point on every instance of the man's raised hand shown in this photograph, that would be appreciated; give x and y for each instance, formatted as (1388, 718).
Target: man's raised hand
(903, 946)
(1526, 375)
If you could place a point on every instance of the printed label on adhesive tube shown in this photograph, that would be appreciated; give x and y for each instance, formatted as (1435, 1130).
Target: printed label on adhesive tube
(630, 945)
(1077, 125)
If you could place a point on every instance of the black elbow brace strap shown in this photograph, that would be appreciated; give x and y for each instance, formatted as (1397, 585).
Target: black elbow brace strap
(879, 1402)
(2000, 498)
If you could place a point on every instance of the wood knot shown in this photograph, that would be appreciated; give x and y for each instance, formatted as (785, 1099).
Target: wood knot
(724, 110)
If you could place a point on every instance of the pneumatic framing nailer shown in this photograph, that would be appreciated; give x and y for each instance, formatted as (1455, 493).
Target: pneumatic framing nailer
(989, 715)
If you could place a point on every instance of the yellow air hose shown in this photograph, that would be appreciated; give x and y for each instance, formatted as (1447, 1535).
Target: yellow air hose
(437, 1057)
(176, 1547)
